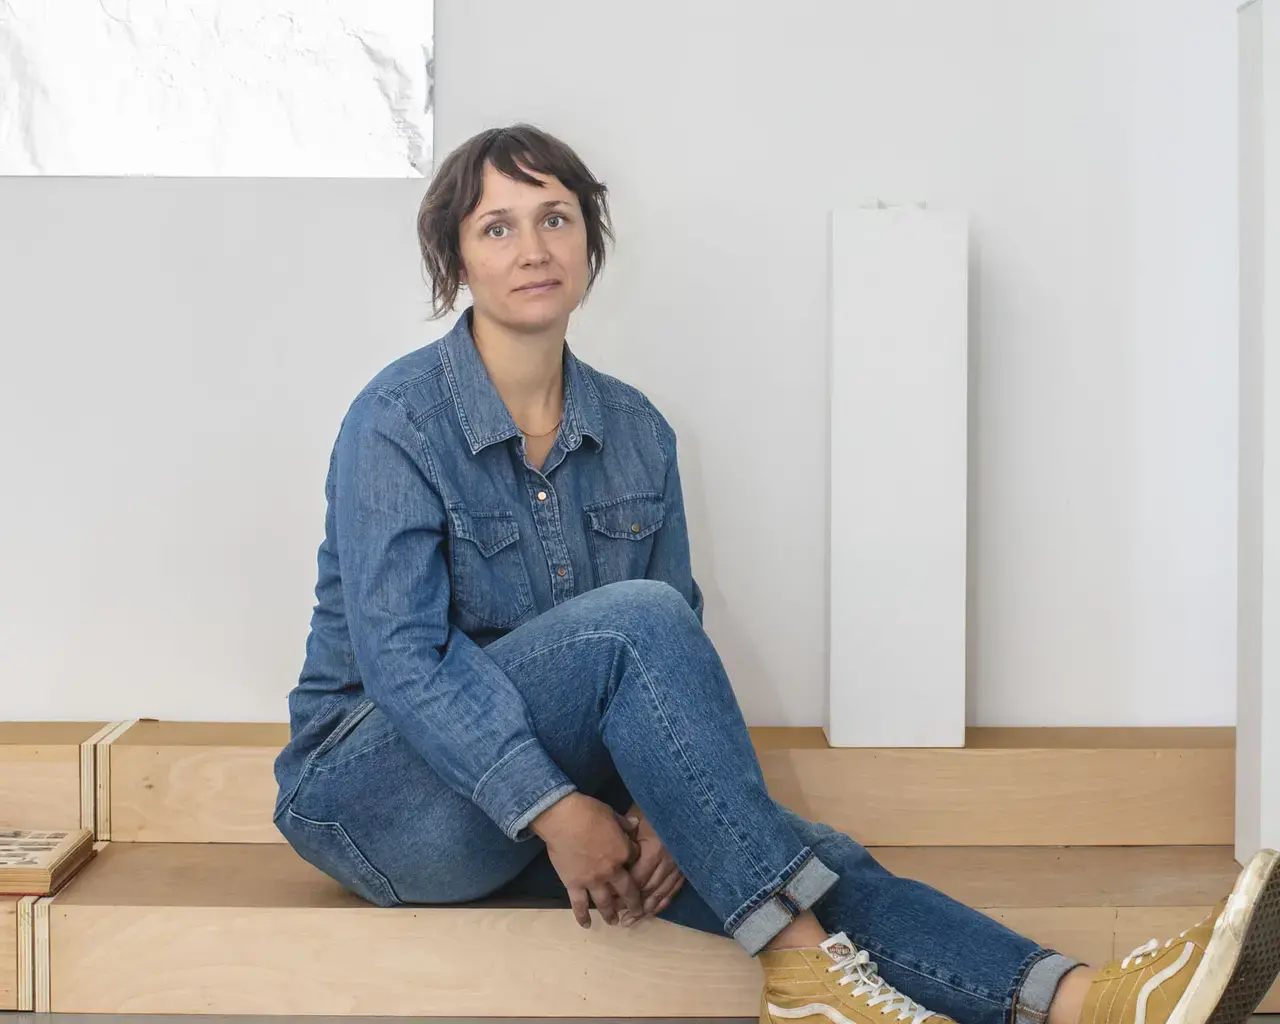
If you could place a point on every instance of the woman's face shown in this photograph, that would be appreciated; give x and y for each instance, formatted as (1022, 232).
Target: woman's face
(524, 252)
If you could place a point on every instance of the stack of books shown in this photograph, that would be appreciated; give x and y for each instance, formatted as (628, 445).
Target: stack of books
(36, 862)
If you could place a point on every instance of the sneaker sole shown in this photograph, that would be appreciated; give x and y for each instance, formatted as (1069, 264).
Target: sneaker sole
(1236, 973)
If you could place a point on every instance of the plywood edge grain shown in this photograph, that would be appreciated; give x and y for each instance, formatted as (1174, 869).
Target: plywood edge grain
(9, 963)
(89, 775)
(26, 954)
(41, 954)
(102, 777)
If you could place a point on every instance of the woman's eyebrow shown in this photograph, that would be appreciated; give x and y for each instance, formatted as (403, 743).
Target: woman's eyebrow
(503, 211)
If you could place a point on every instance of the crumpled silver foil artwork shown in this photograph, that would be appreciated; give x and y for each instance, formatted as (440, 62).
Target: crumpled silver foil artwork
(299, 88)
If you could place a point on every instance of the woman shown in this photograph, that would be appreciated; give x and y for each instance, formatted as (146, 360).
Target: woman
(508, 690)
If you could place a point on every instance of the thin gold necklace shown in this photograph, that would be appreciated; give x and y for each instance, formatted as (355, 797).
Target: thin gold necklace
(544, 433)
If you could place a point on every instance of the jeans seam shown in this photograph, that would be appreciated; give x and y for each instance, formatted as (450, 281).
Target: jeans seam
(644, 672)
(564, 642)
(657, 704)
(376, 875)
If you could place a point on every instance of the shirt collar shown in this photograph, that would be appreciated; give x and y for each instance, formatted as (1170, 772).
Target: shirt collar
(481, 411)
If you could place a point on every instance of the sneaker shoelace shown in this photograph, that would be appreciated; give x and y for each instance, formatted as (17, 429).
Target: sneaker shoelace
(1152, 946)
(861, 973)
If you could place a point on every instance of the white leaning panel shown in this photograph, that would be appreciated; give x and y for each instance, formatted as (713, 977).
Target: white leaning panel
(1258, 662)
(899, 449)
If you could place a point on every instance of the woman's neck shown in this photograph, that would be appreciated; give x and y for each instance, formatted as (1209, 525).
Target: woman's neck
(527, 369)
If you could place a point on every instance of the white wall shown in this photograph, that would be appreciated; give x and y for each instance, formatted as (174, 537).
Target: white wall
(1091, 142)
(175, 356)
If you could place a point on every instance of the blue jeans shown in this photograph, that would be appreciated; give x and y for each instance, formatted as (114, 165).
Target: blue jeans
(629, 697)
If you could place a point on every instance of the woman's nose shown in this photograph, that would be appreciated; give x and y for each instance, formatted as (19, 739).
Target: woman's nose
(533, 251)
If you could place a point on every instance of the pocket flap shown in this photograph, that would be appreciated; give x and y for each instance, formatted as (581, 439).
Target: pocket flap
(631, 518)
(488, 531)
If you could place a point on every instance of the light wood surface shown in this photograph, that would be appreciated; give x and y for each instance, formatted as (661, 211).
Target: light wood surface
(44, 734)
(192, 782)
(1104, 876)
(484, 963)
(8, 952)
(212, 782)
(1116, 738)
(40, 773)
(151, 733)
(178, 928)
(1010, 795)
(26, 953)
(1049, 738)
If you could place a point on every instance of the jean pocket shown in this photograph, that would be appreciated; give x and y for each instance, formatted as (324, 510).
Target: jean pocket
(621, 535)
(327, 846)
(487, 575)
(340, 731)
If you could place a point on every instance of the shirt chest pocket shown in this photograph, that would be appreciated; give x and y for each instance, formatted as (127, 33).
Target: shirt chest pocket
(489, 582)
(621, 533)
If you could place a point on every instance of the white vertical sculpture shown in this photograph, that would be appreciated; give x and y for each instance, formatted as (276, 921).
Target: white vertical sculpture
(899, 422)
(1258, 662)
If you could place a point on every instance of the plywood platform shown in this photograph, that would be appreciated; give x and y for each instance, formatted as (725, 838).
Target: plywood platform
(1015, 787)
(42, 776)
(212, 782)
(170, 928)
(195, 782)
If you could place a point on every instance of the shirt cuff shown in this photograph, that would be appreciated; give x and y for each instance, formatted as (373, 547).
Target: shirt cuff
(520, 787)
(520, 831)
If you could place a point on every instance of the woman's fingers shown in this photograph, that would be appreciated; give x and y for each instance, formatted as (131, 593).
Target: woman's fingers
(632, 901)
(581, 903)
(669, 887)
(654, 890)
(605, 901)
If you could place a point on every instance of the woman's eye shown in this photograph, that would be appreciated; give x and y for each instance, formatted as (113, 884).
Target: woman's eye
(493, 229)
(558, 218)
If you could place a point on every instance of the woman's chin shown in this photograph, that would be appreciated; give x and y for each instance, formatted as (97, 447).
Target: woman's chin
(536, 316)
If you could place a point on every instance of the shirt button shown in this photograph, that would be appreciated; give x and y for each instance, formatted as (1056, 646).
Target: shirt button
(635, 527)
(560, 571)
(542, 495)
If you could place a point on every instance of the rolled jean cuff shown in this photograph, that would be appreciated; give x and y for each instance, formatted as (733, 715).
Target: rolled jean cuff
(797, 887)
(1039, 986)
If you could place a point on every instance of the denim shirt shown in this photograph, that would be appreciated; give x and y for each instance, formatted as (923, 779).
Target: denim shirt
(440, 537)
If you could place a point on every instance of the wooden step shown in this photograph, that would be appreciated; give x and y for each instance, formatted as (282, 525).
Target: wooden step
(9, 953)
(46, 774)
(212, 782)
(251, 929)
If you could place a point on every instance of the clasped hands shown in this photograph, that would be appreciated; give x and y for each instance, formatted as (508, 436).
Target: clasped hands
(611, 860)
(654, 870)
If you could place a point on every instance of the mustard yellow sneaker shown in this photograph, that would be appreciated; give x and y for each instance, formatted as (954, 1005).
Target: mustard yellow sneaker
(835, 981)
(1215, 972)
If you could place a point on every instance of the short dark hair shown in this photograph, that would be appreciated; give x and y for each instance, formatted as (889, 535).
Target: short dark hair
(455, 192)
